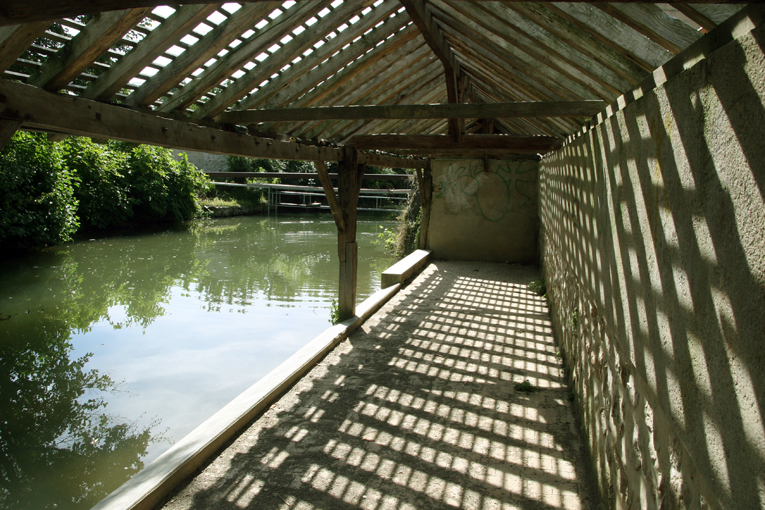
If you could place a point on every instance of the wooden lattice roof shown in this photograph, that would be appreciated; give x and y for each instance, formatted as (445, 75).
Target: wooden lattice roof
(201, 62)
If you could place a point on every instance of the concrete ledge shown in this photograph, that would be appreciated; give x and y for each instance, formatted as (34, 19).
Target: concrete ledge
(404, 268)
(150, 485)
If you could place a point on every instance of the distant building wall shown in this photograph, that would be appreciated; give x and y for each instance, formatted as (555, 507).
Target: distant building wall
(205, 161)
(653, 247)
(484, 215)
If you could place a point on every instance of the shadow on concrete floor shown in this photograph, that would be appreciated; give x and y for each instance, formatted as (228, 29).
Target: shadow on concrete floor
(419, 409)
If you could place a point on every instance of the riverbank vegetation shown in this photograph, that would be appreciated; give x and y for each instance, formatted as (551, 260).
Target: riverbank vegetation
(50, 191)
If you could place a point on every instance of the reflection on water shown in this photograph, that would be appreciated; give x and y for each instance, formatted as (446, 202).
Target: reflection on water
(113, 349)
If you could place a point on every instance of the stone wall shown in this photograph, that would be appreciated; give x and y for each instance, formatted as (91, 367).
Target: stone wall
(484, 215)
(653, 247)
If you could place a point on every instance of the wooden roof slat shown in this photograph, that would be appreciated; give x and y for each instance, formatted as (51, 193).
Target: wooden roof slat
(146, 51)
(403, 91)
(520, 144)
(614, 33)
(535, 58)
(718, 13)
(305, 74)
(288, 52)
(244, 52)
(406, 40)
(100, 34)
(15, 39)
(359, 84)
(206, 47)
(593, 48)
(543, 46)
(396, 84)
(652, 22)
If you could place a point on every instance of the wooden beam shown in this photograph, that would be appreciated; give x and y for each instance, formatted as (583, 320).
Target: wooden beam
(440, 143)
(14, 41)
(309, 175)
(436, 41)
(348, 189)
(419, 111)
(157, 41)
(13, 12)
(390, 161)
(207, 47)
(100, 34)
(43, 110)
(329, 191)
(7, 130)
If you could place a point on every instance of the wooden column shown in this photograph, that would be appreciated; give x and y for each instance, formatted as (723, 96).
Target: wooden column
(7, 129)
(425, 181)
(344, 207)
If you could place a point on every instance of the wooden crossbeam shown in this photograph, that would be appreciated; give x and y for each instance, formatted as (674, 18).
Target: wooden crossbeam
(303, 175)
(435, 39)
(39, 109)
(418, 111)
(13, 12)
(14, 41)
(444, 143)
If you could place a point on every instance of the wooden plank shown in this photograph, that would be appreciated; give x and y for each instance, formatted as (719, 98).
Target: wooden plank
(670, 33)
(156, 42)
(15, 39)
(349, 185)
(207, 47)
(424, 21)
(441, 143)
(614, 33)
(39, 109)
(7, 130)
(419, 111)
(311, 175)
(329, 191)
(697, 17)
(390, 161)
(100, 34)
(236, 58)
(288, 52)
(300, 78)
(13, 12)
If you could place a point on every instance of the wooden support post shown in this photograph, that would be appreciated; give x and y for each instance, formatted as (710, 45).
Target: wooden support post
(425, 180)
(350, 174)
(7, 129)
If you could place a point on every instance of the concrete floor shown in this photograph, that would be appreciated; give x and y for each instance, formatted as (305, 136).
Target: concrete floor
(419, 409)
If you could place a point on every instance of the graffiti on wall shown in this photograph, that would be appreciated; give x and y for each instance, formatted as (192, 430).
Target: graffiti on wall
(493, 194)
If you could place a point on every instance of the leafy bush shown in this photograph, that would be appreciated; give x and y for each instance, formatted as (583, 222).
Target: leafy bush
(37, 202)
(161, 187)
(103, 190)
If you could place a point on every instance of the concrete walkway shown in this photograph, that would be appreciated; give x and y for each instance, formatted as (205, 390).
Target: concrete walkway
(419, 409)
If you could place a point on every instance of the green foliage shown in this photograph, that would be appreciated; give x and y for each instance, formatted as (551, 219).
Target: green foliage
(37, 202)
(525, 387)
(103, 191)
(48, 190)
(162, 188)
(334, 313)
(538, 287)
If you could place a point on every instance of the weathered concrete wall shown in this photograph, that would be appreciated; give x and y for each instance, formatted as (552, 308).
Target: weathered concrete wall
(653, 245)
(484, 215)
(205, 161)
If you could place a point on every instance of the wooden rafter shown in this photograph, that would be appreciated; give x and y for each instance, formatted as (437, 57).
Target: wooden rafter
(100, 34)
(157, 41)
(436, 41)
(15, 39)
(419, 111)
(13, 12)
(426, 143)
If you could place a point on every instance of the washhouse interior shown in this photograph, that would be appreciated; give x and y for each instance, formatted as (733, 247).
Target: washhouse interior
(616, 146)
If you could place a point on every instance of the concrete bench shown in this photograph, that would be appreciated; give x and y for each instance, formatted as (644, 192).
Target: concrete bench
(404, 268)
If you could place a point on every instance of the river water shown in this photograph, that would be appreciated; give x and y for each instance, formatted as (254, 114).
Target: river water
(113, 349)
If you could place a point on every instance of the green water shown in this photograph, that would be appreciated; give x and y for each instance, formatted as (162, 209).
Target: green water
(113, 349)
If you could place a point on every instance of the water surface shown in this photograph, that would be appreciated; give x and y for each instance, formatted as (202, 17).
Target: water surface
(113, 349)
